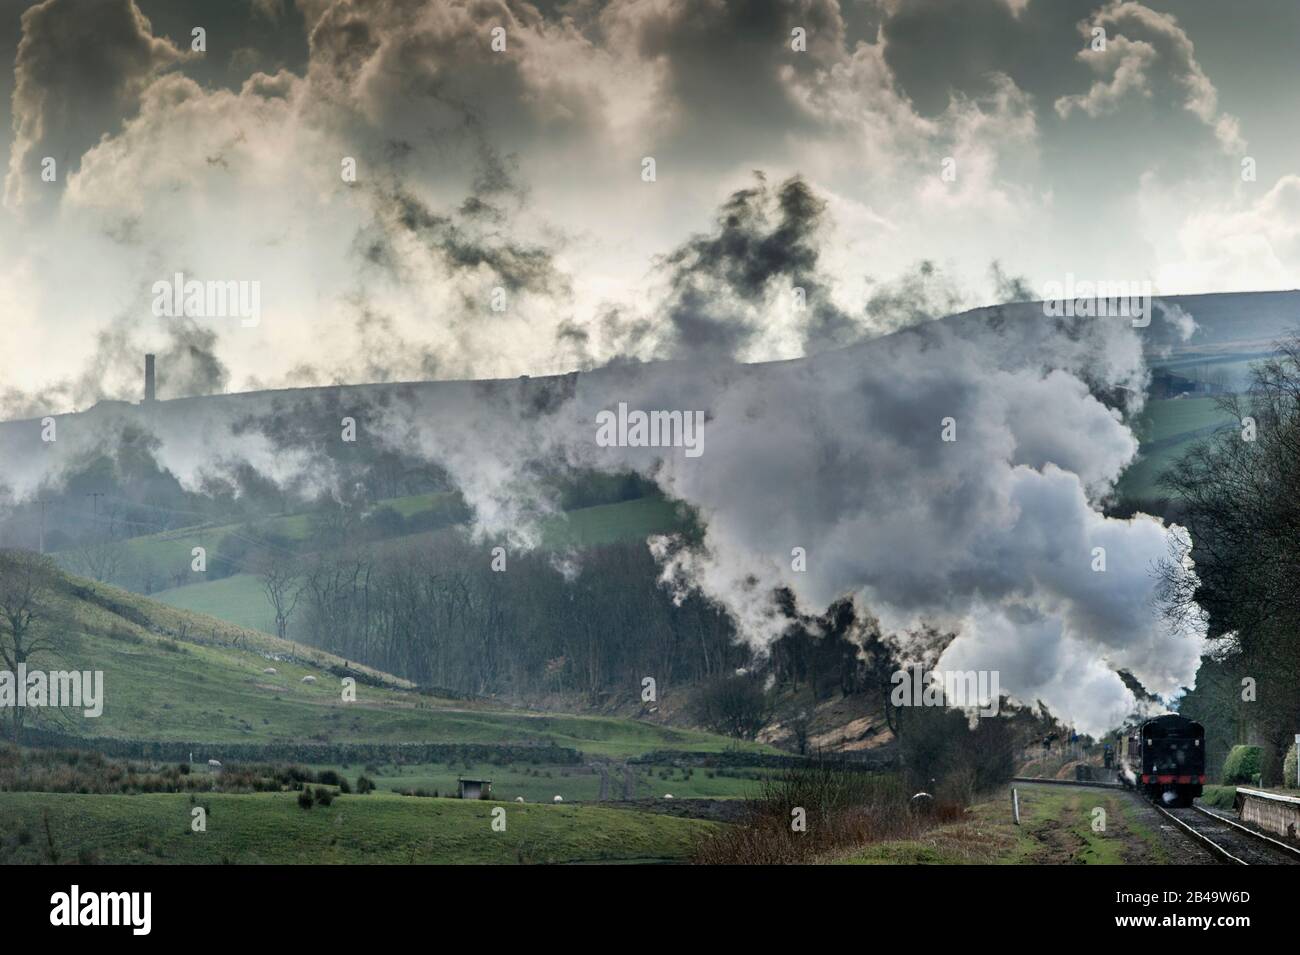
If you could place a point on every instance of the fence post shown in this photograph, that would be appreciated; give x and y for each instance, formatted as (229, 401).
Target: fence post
(1015, 805)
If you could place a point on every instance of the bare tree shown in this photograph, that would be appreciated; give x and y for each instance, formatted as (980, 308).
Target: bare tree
(736, 705)
(282, 582)
(100, 557)
(27, 582)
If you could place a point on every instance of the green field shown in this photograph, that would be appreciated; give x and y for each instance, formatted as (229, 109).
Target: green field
(603, 523)
(217, 694)
(170, 675)
(607, 523)
(1174, 417)
(636, 519)
(378, 828)
(542, 783)
(1166, 429)
(169, 551)
(240, 599)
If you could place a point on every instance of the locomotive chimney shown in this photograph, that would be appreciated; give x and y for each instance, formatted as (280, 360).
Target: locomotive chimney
(148, 378)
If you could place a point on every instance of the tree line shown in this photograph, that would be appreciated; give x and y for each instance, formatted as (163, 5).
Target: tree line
(1238, 494)
(438, 613)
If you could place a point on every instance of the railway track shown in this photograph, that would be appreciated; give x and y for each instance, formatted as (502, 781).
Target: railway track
(1228, 840)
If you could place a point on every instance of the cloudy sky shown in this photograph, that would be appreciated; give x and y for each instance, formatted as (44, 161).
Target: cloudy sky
(523, 171)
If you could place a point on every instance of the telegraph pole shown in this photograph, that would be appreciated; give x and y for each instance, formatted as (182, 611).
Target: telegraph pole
(95, 496)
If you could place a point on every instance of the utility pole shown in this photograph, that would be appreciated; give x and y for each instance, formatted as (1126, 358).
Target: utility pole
(95, 496)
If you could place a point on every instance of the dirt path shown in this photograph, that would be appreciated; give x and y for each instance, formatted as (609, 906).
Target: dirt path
(1067, 825)
(1059, 825)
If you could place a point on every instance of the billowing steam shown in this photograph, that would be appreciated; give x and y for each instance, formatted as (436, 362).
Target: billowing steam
(995, 536)
(949, 474)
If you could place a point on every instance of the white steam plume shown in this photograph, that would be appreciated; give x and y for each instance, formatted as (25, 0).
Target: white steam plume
(992, 536)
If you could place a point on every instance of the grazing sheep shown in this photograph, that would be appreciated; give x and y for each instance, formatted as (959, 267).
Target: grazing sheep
(270, 670)
(519, 799)
(558, 799)
(214, 764)
(309, 679)
(668, 795)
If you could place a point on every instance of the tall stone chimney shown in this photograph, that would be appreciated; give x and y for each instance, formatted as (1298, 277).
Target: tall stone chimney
(148, 378)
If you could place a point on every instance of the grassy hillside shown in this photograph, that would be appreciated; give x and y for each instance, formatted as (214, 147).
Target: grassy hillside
(607, 523)
(377, 828)
(1165, 430)
(1174, 418)
(173, 675)
(169, 551)
(239, 599)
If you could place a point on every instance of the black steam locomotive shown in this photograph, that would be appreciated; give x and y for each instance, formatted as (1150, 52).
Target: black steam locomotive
(1166, 759)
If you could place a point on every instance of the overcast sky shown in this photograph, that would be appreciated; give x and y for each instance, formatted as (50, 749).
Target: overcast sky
(522, 170)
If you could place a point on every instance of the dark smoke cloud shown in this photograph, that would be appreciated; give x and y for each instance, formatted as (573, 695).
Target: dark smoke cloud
(765, 246)
(919, 295)
(458, 246)
(728, 64)
(61, 111)
(189, 366)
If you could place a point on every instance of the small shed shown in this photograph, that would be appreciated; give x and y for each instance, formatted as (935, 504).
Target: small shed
(473, 788)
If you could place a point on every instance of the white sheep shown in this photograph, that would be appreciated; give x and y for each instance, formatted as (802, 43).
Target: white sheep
(309, 679)
(668, 795)
(519, 799)
(558, 799)
(214, 764)
(271, 670)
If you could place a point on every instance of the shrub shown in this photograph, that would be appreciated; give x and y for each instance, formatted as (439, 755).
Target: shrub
(843, 807)
(735, 705)
(304, 798)
(344, 786)
(1219, 797)
(324, 796)
(1242, 764)
(364, 785)
(1289, 768)
(943, 755)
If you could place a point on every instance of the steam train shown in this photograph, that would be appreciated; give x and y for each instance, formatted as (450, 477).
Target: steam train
(1166, 759)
